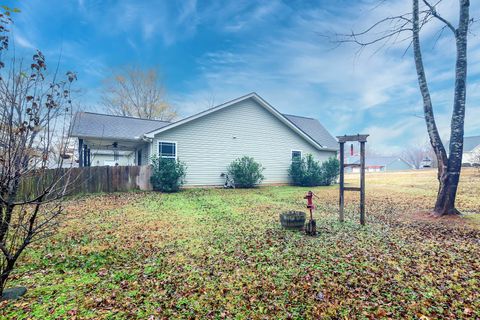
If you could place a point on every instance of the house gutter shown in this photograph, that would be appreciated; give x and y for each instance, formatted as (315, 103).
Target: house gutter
(106, 138)
(329, 149)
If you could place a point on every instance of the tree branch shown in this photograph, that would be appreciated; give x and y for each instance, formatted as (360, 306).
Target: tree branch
(434, 13)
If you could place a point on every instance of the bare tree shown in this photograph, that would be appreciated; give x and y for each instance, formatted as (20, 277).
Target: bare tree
(407, 27)
(414, 155)
(476, 158)
(33, 111)
(137, 93)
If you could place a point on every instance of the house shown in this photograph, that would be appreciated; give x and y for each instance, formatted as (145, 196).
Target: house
(426, 162)
(471, 150)
(377, 164)
(207, 142)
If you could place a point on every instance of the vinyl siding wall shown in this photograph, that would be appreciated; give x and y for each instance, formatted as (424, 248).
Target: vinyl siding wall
(209, 144)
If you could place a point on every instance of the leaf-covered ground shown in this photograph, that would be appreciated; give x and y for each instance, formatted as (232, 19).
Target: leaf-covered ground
(212, 253)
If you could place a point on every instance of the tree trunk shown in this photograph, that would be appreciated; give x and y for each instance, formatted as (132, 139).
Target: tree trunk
(448, 167)
(5, 274)
(447, 192)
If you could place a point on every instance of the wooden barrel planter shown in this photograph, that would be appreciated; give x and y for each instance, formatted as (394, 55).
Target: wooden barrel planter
(293, 219)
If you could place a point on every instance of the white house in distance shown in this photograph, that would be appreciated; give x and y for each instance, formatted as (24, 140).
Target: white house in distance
(471, 150)
(377, 164)
(208, 141)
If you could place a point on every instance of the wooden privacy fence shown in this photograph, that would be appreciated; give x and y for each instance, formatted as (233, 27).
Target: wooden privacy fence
(90, 179)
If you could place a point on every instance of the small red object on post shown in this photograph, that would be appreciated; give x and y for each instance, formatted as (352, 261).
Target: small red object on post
(309, 198)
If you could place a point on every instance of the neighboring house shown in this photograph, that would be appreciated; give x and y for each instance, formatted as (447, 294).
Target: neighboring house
(426, 162)
(471, 150)
(210, 140)
(377, 164)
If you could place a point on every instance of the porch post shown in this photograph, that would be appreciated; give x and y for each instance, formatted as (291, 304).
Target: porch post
(80, 152)
(85, 163)
(89, 163)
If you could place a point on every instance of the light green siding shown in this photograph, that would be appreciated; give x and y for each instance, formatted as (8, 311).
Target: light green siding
(210, 143)
(398, 165)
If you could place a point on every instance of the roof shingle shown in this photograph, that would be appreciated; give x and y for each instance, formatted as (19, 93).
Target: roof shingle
(314, 129)
(96, 125)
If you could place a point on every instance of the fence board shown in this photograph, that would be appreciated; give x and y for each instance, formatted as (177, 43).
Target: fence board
(88, 180)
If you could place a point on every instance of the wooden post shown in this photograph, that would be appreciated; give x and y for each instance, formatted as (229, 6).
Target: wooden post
(80, 152)
(362, 138)
(109, 179)
(85, 163)
(89, 162)
(362, 183)
(342, 170)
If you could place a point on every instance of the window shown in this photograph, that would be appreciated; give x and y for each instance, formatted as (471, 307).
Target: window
(167, 149)
(296, 155)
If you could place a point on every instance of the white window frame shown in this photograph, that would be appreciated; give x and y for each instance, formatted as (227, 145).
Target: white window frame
(295, 150)
(167, 157)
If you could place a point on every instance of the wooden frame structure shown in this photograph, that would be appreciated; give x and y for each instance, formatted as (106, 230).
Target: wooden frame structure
(362, 138)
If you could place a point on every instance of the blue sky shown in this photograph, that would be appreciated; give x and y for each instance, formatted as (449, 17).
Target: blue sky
(214, 51)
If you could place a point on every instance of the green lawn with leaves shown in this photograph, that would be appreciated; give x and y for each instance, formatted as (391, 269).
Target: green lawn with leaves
(214, 253)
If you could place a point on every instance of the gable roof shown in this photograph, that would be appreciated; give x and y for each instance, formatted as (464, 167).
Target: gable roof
(96, 125)
(314, 129)
(471, 143)
(310, 129)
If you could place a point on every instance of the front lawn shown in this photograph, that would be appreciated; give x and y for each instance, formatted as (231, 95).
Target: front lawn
(213, 253)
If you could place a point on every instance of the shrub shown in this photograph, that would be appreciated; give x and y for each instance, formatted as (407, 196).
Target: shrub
(246, 172)
(308, 173)
(305, 172)
(330, 171)
(168, 174)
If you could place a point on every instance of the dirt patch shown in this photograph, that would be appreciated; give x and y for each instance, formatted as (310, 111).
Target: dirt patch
(451, 221)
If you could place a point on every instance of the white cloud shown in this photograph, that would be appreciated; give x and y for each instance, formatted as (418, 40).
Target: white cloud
(23, 42)
(247, 19)
(275, 48)
(296, 70)
(172, 21)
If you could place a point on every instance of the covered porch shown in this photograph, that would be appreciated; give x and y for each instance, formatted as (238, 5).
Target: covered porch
(112, 152)
(112, 140)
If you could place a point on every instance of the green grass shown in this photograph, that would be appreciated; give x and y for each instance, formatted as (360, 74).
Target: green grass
(213, 253)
